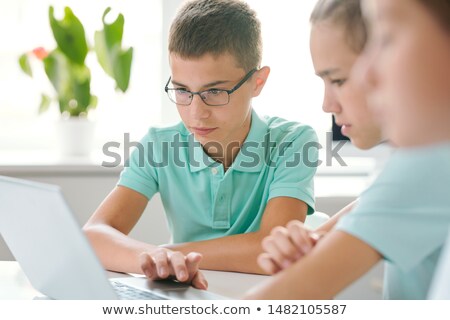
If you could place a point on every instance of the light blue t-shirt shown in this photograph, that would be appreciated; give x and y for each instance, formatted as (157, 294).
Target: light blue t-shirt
(405, 216)
(201, 201)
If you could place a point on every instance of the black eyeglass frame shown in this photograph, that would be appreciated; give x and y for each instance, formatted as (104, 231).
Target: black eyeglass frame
(199, 93)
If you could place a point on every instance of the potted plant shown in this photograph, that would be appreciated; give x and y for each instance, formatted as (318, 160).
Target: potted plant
(70, 77)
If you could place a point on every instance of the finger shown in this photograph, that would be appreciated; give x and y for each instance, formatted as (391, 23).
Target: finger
(196, 277)
(148, 266)
(268, 245)
(178, 264)
(193, 263)
(316, 236)
(296, 224)
(266, 263)
(284, 245)
(199, 281)
(300, 237)
(162, 263)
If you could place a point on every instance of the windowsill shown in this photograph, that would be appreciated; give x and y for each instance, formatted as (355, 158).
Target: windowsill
(52, 160)
(331, 181)
(351, 167)
(37, 162)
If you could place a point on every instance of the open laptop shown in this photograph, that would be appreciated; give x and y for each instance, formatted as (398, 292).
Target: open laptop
(440, 286)
(47, 241)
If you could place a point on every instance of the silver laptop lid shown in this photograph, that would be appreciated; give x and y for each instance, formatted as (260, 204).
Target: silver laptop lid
(32, 216)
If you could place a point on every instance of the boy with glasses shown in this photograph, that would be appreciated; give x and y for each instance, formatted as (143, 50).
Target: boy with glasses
(226, 176)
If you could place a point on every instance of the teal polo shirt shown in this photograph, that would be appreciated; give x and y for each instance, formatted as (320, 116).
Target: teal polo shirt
(201, 201)
(405, 216)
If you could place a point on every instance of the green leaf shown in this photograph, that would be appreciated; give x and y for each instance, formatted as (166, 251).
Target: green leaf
(115, 61)
(122, 70)
(71, 81)
(45, 103)
(56, 66)
(103, 56)
(24, 63)
(69, 35)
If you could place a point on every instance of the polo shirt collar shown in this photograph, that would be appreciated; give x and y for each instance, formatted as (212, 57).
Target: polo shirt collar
(198, 159)
(252, 160)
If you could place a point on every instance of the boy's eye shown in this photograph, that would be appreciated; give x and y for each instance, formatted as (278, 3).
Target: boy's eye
(214, 91)
(338, 82)
(181, 91)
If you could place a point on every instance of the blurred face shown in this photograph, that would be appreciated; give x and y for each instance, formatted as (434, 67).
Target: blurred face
(406, 68)
(333, 60)
(220, 124)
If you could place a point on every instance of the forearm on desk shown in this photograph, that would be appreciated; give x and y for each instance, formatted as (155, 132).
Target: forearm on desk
(337, 261)
(237, 253)
(116, 251)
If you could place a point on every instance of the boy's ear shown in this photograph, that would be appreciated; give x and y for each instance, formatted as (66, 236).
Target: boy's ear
(260, 80)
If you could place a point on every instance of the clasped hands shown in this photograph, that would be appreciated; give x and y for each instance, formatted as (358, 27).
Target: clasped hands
(285, 245)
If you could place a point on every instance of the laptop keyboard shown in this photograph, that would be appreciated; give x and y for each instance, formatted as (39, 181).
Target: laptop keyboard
(126, 292)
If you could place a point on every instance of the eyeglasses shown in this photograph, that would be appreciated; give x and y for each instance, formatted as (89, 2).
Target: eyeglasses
(211, 97)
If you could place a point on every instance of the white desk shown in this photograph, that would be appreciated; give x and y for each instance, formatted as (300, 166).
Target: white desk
(14, 285)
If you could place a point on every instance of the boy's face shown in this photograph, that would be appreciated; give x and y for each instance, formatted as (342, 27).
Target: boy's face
(333, 61)
(213, 125)
(406, 67)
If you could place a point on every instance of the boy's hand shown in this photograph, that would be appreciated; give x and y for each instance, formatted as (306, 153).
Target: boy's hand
(284, 246)
(163, 263)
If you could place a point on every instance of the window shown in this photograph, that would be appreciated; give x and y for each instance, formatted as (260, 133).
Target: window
(27, 21)
(285, 30)
(285, 27)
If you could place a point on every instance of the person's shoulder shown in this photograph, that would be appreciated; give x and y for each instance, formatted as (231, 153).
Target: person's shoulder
(410, 177)
(282, 129)
(426, 162)
(435, 153)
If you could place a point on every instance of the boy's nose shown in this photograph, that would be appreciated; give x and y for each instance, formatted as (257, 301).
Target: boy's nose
(198, 108)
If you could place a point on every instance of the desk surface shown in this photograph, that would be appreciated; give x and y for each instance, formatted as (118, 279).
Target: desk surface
(14, 285)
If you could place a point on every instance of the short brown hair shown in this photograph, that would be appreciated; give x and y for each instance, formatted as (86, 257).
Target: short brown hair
(217, 27)
(346, 13)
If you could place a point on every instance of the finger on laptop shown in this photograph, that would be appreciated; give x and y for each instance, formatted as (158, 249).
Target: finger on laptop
(199, 281)
(193, 264)
(148, 266)
(178, 264)
(161, 259)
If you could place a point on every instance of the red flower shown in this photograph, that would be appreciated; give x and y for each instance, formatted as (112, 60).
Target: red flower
(40, 53)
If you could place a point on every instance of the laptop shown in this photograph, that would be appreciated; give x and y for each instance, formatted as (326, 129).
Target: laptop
(48, 243)
(440, 286)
